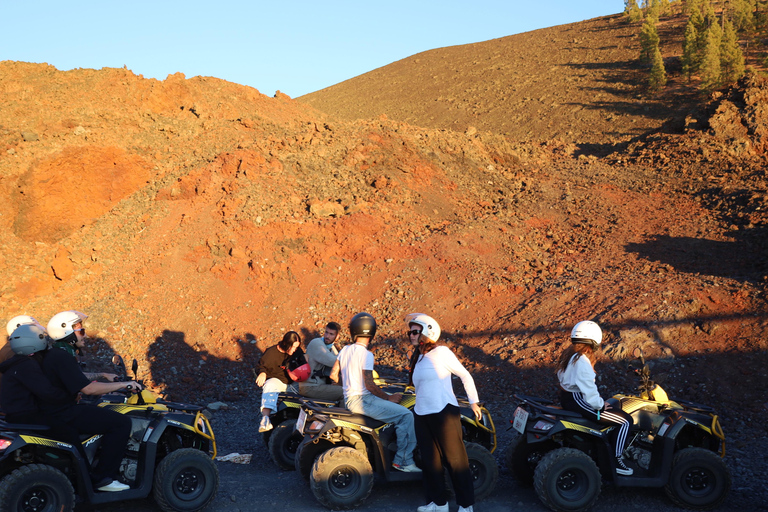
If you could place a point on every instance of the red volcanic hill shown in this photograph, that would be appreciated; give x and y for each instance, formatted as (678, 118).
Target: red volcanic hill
(197, 220)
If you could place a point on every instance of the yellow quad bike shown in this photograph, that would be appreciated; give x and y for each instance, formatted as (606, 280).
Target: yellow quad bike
(342, 452)
(673, 444)
(169, 454)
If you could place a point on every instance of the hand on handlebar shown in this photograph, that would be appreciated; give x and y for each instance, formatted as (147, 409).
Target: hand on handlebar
(133, 386)
(395, 398)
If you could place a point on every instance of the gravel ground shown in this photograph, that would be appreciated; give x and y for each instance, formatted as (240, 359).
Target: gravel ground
(261, 484)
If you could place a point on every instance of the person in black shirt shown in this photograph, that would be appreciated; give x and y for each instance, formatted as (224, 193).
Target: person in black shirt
(64, 372)
(273, 376)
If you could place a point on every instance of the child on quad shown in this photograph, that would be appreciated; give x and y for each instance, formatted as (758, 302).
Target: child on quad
(578, 392)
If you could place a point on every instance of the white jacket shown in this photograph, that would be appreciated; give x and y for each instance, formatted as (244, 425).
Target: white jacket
(579, 376)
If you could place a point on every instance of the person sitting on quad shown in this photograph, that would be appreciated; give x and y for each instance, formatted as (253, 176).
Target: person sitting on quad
(275, 375)
(321, 356)
(363, 396)
(5, 351)
(579, 393)
(74, 345)
(64, 372)
(24, 385)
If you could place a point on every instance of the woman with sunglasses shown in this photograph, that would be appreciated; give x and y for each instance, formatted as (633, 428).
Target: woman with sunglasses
(437, 418)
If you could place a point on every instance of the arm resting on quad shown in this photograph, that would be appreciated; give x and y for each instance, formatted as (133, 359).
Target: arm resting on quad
(375, 390)
(99, 388)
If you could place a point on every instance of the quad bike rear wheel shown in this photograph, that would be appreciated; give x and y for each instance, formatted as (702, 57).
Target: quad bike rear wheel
(36, 488)
(283, 444)
(567, 480)
(699, 479)
(185, 480)
(342, 478)
(306, 454)
(522, 458)
(485, 471)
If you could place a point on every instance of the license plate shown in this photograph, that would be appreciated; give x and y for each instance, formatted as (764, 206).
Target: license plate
(300, 421)
(521, 418)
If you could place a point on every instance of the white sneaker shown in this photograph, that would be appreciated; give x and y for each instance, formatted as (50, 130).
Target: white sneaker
(265, 424)
(433, 508)
(410, 468)
(467, 509)
(114, 486)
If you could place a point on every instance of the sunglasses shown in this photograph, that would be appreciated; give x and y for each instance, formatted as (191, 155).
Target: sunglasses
(414, 332)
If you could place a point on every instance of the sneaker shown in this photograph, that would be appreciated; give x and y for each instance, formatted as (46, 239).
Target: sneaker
(410, 468)
(433, 508)
(466, 509)
(622, 468)
(265, 424)
(114, 486)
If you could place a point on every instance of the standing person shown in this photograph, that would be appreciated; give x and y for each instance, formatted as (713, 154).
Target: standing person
(273, 375)
(437, 416)
(64, 372)
(363, 396)
(579, 393)
(67, 330)
(321, 356)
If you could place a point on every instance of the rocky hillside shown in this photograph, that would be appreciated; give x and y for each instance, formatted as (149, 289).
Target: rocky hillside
(196, 220)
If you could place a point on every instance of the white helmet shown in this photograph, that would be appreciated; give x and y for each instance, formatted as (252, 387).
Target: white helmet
(60, 326)
(17, 321)
(587, 331)
(429, 327)
(28, 339)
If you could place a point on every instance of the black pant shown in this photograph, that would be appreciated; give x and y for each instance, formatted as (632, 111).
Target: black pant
(114, 428)
(575, 402)
(441, 445)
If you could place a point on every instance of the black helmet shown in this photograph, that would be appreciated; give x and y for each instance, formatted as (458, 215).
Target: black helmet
(362, 324)
(28, 339)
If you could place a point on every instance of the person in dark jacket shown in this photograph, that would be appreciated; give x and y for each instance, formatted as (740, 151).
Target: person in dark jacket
(24, 385)
(272, 374)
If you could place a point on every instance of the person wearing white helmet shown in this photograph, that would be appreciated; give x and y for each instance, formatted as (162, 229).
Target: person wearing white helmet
(67, 330)
(578, 391)
(437, 417)
(63, 370)
(6, 352)
(24, 385)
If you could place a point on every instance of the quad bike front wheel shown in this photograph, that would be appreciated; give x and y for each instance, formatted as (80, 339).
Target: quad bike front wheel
(485, 471)
(341, 478)
(283, 444)
(185, 480)
(567, 480)
(36, 488)
(699, 479)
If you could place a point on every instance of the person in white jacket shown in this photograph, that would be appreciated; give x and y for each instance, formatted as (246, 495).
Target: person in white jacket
(437, 419)
(578, 392)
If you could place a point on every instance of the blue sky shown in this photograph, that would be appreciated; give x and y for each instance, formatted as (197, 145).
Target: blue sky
(296, 47)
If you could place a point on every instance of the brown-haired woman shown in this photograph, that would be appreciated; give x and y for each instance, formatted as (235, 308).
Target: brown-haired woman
(437, 419)
(273, 375)
(579, 393)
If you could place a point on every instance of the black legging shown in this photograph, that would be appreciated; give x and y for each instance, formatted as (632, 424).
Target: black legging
(441, 445)
(575, 402)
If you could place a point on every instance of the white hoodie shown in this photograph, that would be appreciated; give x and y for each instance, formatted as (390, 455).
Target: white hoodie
(579, 376)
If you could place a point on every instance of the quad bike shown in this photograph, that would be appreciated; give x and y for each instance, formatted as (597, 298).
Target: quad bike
(342, 452)
(169, 454)
(673, 444)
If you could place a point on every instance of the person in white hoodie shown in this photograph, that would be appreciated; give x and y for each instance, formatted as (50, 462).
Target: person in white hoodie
(437, 419)
(578, 392)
